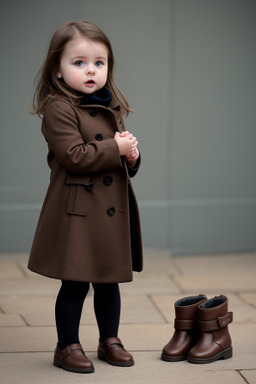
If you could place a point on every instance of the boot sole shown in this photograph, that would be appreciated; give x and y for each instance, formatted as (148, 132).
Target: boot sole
(57, 363)
(173, 358)
(103, 357)
(225, 354)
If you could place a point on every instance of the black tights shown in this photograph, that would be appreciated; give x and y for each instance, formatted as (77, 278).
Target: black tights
(69, 305)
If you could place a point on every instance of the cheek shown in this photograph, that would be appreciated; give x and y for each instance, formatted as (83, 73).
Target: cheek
(74, 77)
(104, 77)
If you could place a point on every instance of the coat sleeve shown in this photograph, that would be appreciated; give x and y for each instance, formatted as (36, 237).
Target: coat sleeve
(133, 170)
(60, 129)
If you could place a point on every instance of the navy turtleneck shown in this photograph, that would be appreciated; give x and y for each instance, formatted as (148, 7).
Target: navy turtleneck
(102, 97)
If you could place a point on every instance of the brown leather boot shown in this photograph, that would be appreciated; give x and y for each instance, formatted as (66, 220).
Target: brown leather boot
(214, 342)
(186, 328)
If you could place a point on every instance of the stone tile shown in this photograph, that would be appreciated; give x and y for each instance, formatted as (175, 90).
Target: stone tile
(243, 313)
(40, 339)
(147, 284)
(7, 320)
(136, 337)
(250, 298)
(21, 260)
(219, 282)
(17, 304)
(250, 376)
(39, 317)
(165, 304)
(156, 261)
(10, 270)
(39, 310)
(139, 310)
(244, 345)
(29, 286)
(13, 257)
(148, 369)
(36, 310)
(134, 310)
(215, 264)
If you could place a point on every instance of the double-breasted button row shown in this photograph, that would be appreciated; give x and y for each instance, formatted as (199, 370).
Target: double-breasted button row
(89, 187)
(111, 211)
(98, 137)
(108, 180)
(93, 112)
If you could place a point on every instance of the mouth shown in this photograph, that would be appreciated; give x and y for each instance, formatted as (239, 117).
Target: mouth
(90, 83)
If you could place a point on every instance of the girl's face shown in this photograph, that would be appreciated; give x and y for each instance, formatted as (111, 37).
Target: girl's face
(84, 65)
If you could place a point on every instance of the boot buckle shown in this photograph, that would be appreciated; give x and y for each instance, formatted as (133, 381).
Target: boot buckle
(225, 320)
(213, 325)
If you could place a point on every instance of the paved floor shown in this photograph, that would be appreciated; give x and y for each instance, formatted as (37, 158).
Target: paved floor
(28, 336)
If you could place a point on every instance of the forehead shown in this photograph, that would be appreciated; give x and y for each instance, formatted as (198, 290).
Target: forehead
(82, 46)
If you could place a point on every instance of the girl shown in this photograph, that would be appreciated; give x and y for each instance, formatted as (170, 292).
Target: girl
(88, 230)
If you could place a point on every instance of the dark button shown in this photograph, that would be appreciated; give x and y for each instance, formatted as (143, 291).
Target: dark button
(108, 180)
(93, 112)
(99, 137)
(89, 187)
(111, 211)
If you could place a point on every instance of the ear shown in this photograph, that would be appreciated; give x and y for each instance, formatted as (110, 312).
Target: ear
(59, 75)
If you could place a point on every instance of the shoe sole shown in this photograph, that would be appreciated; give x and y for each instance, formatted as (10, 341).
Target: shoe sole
(103, 357)
(57, 363)
(225, 354)
(173, 358)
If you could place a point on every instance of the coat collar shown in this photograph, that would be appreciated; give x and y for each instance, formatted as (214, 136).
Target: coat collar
(114, 104)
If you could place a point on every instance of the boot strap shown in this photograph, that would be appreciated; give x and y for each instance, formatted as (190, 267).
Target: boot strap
(220, 322)
(185, 325)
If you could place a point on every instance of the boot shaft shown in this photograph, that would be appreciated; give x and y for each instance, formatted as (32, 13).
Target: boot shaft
(187, 307)
(213, 314)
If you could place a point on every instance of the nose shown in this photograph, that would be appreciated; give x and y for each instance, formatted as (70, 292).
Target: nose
(90, 69)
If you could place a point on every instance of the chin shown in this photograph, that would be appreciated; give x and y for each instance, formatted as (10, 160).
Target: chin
(89, 91)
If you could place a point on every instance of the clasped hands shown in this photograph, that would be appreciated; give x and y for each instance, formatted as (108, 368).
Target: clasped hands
(127, 144)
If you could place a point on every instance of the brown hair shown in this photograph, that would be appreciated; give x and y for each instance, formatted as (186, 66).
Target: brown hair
(48, 84)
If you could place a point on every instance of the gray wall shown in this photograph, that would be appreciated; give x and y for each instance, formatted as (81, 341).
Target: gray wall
(188, 69)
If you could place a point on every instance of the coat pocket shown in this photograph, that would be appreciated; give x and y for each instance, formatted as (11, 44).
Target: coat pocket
(77, 202)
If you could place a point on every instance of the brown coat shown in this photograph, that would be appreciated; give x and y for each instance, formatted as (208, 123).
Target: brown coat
(89, 227)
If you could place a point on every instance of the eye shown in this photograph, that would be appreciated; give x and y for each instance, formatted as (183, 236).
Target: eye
(99, 63)
(79, 63)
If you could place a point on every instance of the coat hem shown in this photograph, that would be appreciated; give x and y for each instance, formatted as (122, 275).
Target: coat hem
(97, 281)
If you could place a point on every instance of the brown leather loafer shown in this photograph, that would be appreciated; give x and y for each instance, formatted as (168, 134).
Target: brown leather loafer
(112, 351)
(73, 359)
